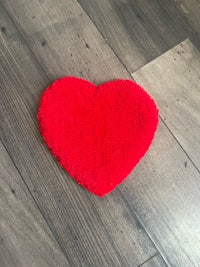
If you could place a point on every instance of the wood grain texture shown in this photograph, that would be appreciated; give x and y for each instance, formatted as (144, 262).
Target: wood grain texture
(65, 40)
(90, 231)
(177, 93)
(156, 261)
(140, 30)
(190, 10)
(164, 193)
(53, 40)
(25, 239)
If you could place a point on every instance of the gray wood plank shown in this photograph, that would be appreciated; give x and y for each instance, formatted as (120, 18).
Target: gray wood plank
(65, 40)
(25, 238)
(165, 196)
(140, 30)
(156, 261)
(190, 10)
(143, 194)
(177, 92)
(170, 196)
(91, 231)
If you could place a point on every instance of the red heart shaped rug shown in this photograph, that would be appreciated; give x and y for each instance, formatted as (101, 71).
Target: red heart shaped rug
(97, 133)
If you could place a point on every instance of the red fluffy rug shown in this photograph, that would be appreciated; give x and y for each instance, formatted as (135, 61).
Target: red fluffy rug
(97, 133)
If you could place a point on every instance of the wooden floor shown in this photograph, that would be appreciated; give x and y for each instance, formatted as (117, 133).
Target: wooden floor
(153, 218)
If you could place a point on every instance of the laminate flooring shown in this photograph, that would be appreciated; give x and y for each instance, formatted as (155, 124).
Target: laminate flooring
(153, 218)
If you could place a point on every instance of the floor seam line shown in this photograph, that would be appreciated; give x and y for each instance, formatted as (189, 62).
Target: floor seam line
(33, 198)
(148, 259)
(141, 222)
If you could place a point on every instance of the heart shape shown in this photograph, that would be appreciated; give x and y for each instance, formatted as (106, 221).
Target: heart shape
(97, 133)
